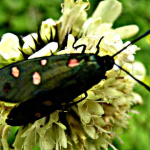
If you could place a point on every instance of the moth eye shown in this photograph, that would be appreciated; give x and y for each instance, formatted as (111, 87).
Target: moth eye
(43, 62)
(7, 87)
(15, 72)
(73, 63)
(36, 78)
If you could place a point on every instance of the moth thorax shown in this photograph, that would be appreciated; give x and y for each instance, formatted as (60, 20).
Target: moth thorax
(107, 62)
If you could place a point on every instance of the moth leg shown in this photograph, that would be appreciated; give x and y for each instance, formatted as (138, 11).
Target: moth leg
(71, 104)
(97, 46)
(75, 103)
(76, 47)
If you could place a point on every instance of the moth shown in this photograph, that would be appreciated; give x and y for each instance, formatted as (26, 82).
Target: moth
(43, 85)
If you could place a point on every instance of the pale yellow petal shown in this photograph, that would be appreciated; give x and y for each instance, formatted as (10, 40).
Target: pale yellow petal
(127, 31)
(45, 51)
(109, 10)
(71, 13)
(48, 27)
(29, 43)
(10, 49)
(76, 30)
(91, 131)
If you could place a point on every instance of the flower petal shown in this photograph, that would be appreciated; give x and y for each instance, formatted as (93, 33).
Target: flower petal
(19, 140)
(112, 92)
(127, 31)
(91, 131)
(71, 13)
(45, 51)
(30, 141)
(108, 10)
(9, 49)
(62, 139)
(48, 141)
(78, 24)
(29, 43)
(48, 28)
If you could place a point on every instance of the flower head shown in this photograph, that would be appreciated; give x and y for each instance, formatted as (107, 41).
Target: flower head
(92, 123)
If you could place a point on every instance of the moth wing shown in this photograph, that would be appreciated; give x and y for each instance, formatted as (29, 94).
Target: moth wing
(42, 104)
(33, 77)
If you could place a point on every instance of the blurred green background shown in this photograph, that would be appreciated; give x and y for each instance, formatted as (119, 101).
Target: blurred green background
(22, 17)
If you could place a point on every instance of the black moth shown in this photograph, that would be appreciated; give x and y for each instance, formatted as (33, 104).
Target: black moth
(46, 84)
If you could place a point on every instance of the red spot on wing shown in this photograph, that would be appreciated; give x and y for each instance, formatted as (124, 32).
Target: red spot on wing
(15, 72)
(36, 78)
(63, 104)
(38, 115)
(73, 63)
(48, 103)
(7, 87)
(43, 62)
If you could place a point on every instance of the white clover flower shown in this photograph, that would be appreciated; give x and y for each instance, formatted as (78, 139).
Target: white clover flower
(91, 123)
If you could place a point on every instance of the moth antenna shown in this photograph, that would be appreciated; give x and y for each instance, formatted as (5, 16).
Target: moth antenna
(132, 42)
(140, 82)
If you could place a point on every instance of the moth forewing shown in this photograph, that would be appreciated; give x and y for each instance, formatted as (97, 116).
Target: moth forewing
(68, 83)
